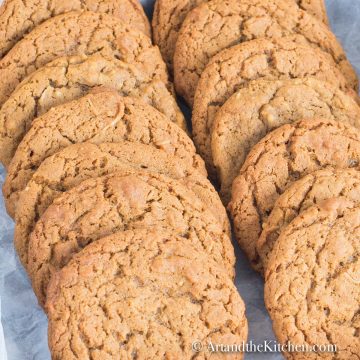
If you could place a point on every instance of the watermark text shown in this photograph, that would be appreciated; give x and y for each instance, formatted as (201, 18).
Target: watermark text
(268, 346)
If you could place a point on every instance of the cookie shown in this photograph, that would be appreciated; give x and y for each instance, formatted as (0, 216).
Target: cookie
(169, 15)
(271, 59)
(99, 307)
(76, 163)
(219, 24)
(98, 117)
(315, 8)
(18, 18)
(263, 106)
(78, 33)
(69, 78)
(282, 157)
(167, 19)
(311, 190)
(312, 287)
(117, 202)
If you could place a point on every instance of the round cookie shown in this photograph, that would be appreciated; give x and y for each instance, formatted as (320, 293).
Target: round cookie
(18, 18)
(282, 157)
(263, 106)
(69, 78)
(117, 202)
(78, 33)
(219, 24)
(271, 59)
(115, 298)
(311, 190)
(98, 117)
(167, 19)
(312, 289)
(169, 15)
(76, 163)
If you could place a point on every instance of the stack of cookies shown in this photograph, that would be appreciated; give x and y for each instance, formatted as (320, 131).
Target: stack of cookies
(125, 240)
(276, 118)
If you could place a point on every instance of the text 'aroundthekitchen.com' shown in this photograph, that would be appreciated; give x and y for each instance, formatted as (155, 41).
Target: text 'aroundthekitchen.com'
(268, 346)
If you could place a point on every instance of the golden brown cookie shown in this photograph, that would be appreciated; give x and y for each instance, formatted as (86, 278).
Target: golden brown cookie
(219, 24)
(142, 294)
(271, 59)
(282, 157)
(69, 78)
(263, 106)
(17, 18)
(169, 15)
(98, 117)
(311, 190)
(76, 163)
(315, 8)
(117, 202)
(167, 19)
(79, 33)
(312, 288)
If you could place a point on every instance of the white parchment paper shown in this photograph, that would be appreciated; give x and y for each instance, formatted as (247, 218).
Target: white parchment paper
(23, 326)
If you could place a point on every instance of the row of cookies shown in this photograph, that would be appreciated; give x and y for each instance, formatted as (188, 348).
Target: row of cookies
(223, 45)
(283, 156)
(266, 80)
(104, 165)
(276, 117)
(296, 213)
(126, 242)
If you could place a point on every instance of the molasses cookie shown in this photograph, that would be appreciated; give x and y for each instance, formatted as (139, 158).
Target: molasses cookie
(18, 18)
(263, 106)
(312, 286)
(79, 33)
(311, 190)
(76, 163)
(117, 202)
(219, 24)
(271, 59)
(69, 78)
(282, 157)
(116, 298)
(99, 117)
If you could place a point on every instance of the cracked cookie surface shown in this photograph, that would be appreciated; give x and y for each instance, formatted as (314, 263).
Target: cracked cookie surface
(115, 298)
(218, 24)
(311, 190)
(282, 157)
(312, 287)
(169, 15)
(76, 163)
(263, 106)
(79, 33)
(103, 116)
(17, 18)
(69, 78)
(271, 59)
(118, 202)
